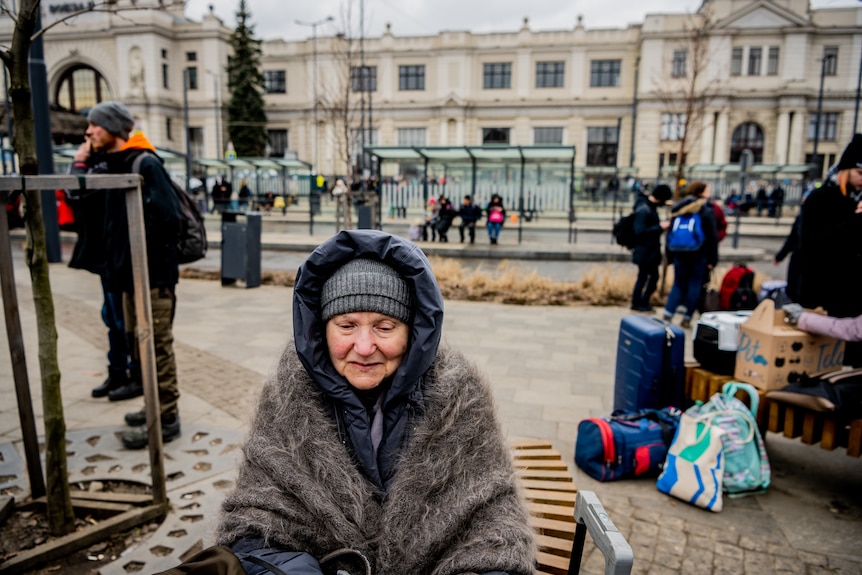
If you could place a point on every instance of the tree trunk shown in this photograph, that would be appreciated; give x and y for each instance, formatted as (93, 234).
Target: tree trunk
(60, 513)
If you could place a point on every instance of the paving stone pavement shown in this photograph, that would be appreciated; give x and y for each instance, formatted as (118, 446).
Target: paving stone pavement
(549, 367)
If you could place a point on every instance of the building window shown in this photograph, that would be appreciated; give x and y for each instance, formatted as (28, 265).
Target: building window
(550, 74)
(193, 77)
(165, 76)
(747, 136)
(602, 143)
(196, 142)
(497, 76)
(736, 62)
(672, 127)
(495, 136)
(277, 140)
(191, 56)
(81, 88)
(678, 67)
(772, 63)
(411, 77)
(754, 58)
(411, 136)
(604, 73)
(830, 61)
(828, 126)
(274, 82)
(366, 82)
(169, 132)
(548, 136)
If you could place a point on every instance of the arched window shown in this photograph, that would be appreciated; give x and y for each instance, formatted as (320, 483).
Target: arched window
(748, 135)
(80, 88)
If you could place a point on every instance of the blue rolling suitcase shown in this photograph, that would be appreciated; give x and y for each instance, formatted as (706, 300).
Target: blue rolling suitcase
(650, 371)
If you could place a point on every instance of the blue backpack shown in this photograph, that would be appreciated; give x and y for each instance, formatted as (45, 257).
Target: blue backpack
(626, 444)
(686, 233)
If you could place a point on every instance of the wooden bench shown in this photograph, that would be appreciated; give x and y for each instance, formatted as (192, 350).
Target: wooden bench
(790, 420)
(551, 494)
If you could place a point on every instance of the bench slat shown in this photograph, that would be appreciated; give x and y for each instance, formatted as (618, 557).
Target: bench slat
(558, 512)
(544, 474)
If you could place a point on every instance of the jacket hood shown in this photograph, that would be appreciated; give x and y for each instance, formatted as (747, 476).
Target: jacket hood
(138, 141)
(404, 393)
(689, 205)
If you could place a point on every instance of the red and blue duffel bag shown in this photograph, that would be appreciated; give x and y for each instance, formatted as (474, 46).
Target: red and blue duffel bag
(626, 444)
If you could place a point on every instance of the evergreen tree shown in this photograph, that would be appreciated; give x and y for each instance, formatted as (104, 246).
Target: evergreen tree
(246, 114)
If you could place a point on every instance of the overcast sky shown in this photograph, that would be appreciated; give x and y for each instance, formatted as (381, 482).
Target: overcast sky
(276, 18)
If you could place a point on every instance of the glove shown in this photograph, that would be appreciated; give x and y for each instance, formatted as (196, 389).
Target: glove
(793, 311)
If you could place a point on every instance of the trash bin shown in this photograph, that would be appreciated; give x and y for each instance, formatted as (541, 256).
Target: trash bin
(240, 248)
(365, 217)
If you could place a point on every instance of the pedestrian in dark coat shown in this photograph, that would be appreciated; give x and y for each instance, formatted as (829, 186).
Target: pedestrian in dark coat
(831, 244)
(112, 148)
(370, 445)
(646, 255)
(469, 213)
(445, 214)
(791, 248)
(690, 268)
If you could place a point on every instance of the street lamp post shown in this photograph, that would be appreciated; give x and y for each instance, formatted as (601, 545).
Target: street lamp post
(823, 60)
(217, 97)
(314, 26)
(186, 126)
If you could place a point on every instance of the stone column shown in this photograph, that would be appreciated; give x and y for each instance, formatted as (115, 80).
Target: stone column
(796, 150)
(722, 149)
(707, 139)
(782, 134)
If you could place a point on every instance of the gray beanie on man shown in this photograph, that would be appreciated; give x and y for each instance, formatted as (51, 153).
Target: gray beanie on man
(366, 285)
(113, 117)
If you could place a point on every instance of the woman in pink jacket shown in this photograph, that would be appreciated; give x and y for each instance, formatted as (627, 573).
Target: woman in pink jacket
(846, 329)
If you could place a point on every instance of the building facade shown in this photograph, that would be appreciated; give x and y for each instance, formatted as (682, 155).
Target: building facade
(738, 74)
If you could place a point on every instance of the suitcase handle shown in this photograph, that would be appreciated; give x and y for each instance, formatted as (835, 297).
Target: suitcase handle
(590, 516)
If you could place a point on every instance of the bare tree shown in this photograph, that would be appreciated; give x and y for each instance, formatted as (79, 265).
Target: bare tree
(16, 58)
(690, 92)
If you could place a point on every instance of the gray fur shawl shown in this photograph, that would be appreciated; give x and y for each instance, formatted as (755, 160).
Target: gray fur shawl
(454, 506)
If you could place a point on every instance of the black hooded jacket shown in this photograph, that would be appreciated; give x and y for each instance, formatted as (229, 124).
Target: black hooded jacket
(403, 395)
(648, 232)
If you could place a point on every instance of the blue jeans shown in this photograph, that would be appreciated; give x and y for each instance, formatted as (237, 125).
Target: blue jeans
(494, 230)
(689, 271)
(112, 315)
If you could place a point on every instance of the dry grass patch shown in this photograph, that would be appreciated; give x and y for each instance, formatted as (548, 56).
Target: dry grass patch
(509, 283)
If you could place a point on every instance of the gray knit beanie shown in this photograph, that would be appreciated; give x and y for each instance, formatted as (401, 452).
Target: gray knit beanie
(113, 117)
(366, 285)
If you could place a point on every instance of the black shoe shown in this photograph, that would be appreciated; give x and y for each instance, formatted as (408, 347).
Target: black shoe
(136, 418)
(129, 391)
(117, 378)
(138, 438)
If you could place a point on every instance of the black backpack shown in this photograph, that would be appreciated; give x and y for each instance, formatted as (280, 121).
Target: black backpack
(744, 297)
(624, 231)
(192, 234)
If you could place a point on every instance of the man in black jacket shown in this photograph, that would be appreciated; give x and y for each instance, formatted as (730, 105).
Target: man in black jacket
(647, 251)
(470, 214)
(112, 148)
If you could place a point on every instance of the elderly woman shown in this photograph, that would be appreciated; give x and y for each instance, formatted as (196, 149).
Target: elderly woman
(372, 451)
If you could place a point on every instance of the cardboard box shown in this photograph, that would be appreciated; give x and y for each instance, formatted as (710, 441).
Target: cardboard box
(773, 353)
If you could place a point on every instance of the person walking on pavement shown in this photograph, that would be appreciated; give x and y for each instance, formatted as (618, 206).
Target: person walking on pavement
(648, 229)
(113, 149)
(469, 214)
(831, 244)
(496, 215)
(692, 247)
(372, 445)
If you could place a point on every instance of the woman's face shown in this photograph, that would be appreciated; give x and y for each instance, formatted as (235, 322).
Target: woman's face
(855, 178)
(366, 347)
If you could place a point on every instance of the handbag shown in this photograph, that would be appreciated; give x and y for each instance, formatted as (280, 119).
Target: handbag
(626, 444)
(694, 468)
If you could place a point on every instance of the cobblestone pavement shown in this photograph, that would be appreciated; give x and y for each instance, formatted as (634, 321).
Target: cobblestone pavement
(550, 367)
